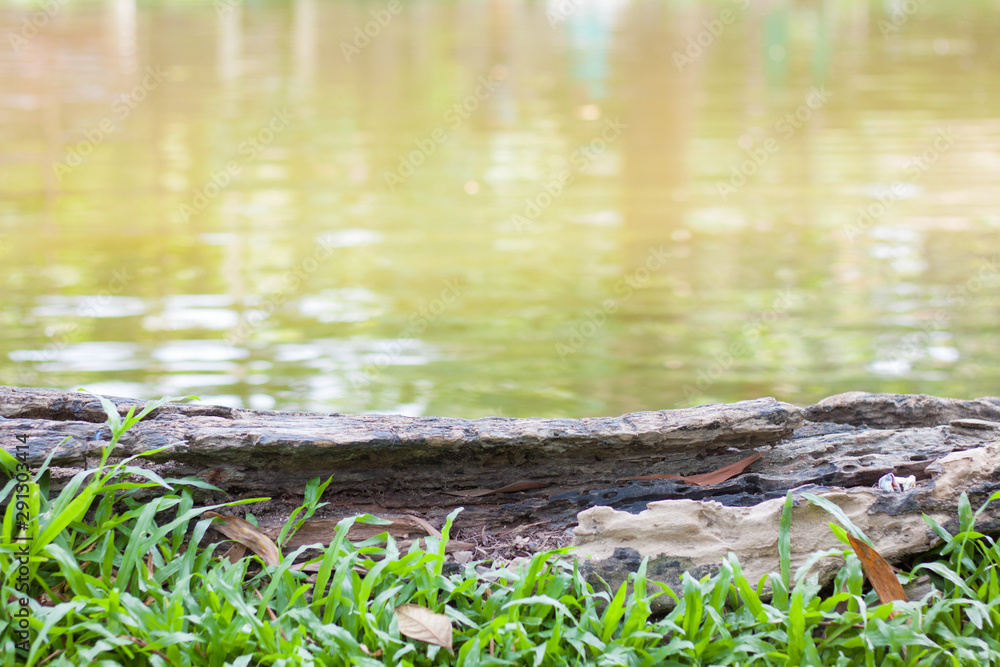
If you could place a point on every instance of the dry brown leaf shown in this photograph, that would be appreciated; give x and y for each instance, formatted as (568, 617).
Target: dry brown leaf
(400, 528)
(367, 651)
(270, 612)
(425, 524)
(454, 545)
(510, 488)
(707, 478)
(246, 534)
(138, 642)
(878, 571)
(722, 474)
(424, 625)
(235, 552)
(324, 531)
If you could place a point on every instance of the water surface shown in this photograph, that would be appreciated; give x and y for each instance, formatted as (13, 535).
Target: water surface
(499, 208)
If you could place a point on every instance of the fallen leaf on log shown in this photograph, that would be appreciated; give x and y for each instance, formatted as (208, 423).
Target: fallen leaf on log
(424, 625)
(246, 534)
(707, 478)
(878, 571)
(510, 488)
(400, 528)
(425, 524)
(451, 547)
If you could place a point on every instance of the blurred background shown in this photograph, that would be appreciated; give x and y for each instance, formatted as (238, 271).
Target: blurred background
(499, 207)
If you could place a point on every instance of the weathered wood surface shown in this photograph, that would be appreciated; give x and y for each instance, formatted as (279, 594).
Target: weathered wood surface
(405, 464)
(688, 536)
(899, 410)
(254, 450)
(951, 447)
(394, 462)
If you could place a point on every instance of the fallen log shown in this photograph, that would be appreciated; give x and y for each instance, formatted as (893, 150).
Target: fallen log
(419, 464)
(684, 510)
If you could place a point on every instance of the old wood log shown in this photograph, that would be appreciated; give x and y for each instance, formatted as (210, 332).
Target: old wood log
(403, 463)
(553, 469)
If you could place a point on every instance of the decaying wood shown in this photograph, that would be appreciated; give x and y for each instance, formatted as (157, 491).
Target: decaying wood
(397, 462)
(899, 410)
(687, 536)
(543, 472)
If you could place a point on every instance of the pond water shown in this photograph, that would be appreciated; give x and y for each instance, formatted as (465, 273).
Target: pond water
(585, 207)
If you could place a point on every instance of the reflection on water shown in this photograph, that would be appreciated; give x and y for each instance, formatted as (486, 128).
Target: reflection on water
(497, 207)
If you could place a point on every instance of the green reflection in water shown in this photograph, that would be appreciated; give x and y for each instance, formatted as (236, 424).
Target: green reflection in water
(500, 208)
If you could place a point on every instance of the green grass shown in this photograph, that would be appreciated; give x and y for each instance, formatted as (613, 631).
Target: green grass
(118, 580)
